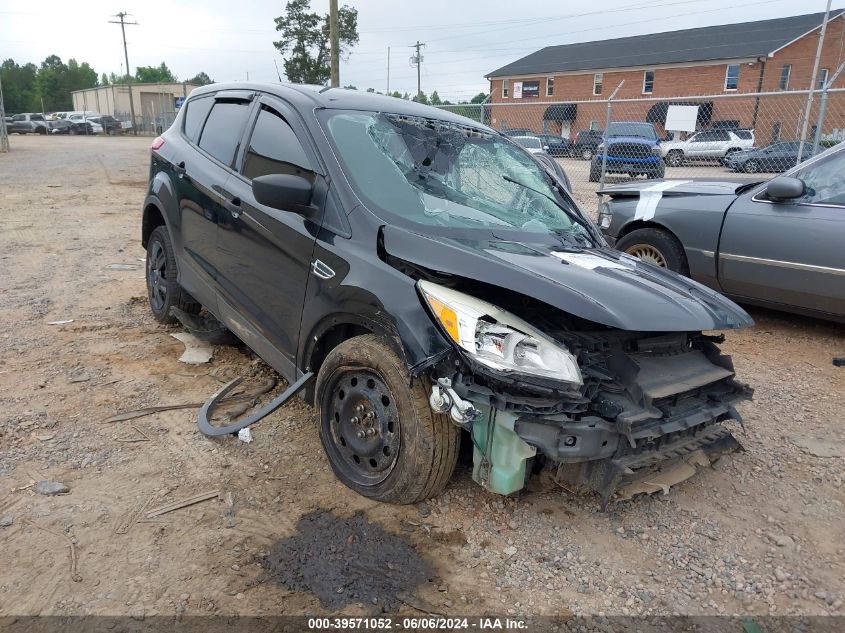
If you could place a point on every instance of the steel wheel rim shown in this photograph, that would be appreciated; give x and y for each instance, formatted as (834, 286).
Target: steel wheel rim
(586, 154)
(752, 167)
(648, 254)
(157, 275)
(363, 426)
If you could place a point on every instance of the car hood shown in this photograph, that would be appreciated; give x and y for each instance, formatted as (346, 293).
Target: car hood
(675, 187)
(600, 285)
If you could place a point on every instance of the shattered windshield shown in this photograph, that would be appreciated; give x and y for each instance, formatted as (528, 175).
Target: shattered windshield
(437, 173)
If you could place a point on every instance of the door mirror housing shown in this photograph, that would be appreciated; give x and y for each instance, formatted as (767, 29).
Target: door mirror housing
(785, 188)
(286, 192)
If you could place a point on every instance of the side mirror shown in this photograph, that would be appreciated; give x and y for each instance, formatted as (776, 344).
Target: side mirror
(285, 192)
(785, 188)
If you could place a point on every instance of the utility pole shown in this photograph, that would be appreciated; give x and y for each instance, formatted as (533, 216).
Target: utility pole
(416, 60)
(123, 25)
(4, 137)
(813, 84)
(334, 36)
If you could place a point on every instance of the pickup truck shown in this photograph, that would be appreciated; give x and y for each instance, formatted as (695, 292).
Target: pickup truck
(707, 145)
(29, 123)
(633, 148)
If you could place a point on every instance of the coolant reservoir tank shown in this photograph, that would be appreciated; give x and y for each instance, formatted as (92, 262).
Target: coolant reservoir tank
(499, 454)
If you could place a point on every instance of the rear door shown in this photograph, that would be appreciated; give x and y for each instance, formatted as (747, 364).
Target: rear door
(790, 252)
(214, 125)
(266, 253)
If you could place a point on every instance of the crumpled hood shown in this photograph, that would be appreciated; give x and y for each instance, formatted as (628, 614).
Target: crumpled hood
(599, 285)
(676, 187)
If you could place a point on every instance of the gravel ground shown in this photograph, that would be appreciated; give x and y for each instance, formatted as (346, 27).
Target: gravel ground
(760, 533)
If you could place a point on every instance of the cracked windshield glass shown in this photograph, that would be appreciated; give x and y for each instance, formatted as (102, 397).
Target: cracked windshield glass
(446, 175)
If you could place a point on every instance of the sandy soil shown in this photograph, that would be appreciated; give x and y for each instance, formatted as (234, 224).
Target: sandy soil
(761, 533)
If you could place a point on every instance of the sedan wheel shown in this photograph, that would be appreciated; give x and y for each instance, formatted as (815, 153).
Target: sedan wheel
(675, 158)
(647, 253)
(586, 153)
(751, 167)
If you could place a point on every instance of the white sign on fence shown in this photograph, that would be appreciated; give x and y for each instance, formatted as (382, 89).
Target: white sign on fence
(681, 118)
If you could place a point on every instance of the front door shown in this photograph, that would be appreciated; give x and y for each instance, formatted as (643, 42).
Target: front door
(266, 253)
(790, 252)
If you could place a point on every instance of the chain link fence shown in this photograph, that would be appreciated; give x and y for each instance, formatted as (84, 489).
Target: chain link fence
(724, 136)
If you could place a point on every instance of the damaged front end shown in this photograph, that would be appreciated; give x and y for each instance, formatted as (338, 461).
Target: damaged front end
(613, 411)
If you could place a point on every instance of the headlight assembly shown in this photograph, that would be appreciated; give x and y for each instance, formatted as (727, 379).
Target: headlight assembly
(498, 339)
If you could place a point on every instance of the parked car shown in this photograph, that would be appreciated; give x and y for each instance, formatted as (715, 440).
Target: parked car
(773, 158)
(586, 142)
(29, 123)
(532, 143)
(556, 145)
(416, 275)
(707, 145)
(633, 148)
(67, 126)
(110, 124)
(8, 123)
(777, 243)
(85, 118)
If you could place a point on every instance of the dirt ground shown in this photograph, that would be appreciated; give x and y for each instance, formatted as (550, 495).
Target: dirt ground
(760, 533)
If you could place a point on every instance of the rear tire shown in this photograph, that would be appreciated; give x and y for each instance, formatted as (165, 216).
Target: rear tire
(587, 153)
(657, 247)
(595, 174)
(163, 289)
(751, 166)
(381, 437)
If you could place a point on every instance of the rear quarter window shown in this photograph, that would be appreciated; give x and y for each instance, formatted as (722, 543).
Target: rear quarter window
(197, 110)
(745, 135)
(223, 129)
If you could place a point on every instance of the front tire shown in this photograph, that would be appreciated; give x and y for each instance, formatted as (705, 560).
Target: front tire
(751, 166)
(163, 289)
(595, 174)
(675, 158)
(657, 247)
(587, 153)
(380, 435)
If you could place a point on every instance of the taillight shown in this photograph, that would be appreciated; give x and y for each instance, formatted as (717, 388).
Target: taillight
(157, 143)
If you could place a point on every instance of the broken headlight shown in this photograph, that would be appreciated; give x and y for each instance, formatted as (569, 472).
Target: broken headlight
(498, 339)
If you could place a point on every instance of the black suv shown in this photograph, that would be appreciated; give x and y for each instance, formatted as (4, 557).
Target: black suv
(419, 275)
(586, 142)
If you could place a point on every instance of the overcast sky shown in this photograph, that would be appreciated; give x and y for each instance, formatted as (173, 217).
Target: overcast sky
(464, 38)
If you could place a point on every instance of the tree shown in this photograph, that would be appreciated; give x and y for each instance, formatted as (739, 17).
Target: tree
(200, 79)
(305, 40)
(104, 80)
(435, 99)
(479, 98)
(420, 98)
(351, 87)
(396, 94)
(20, 93)
(154, 74)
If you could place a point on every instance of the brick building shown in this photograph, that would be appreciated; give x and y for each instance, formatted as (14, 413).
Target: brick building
(563, 89)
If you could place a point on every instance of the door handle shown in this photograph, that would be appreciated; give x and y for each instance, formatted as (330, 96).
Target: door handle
(233, 206)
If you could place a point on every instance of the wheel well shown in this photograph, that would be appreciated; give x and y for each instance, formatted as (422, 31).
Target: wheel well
(325, 342)
(152, 219)
(643, 224)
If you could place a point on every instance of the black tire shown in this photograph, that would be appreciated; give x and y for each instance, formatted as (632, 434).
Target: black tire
(665, 249)
(659, 171)
(411, 452)
(595, 174)
(751, 166)
(163, 289)
(586, 153)
(675, 158)
(42, 131)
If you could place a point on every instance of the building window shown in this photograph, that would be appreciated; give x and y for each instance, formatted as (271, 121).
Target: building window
(594, 125)
(784, 76)
(732, 77)
(550, 86)
(648, 82)
(597, 81)
(505, 88)
(821, 80)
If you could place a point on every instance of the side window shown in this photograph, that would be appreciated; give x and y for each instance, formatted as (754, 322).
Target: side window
(197, 110)
(274, 149)
(825, 180)
(19, 117)
(721, 136)
(223, 128)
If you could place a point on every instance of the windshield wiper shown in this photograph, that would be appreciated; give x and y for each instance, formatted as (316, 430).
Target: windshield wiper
(570, 214)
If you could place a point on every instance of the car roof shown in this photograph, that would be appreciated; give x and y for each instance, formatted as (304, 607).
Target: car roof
(308, 97)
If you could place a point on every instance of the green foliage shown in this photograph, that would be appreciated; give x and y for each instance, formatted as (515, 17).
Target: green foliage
(200, 79)
(479, 98)
(420, 98)
(154, 74)
(305, 41)
(435, 99)
(351, 87)
(20, 93)
(55, 81)
(104, 80)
